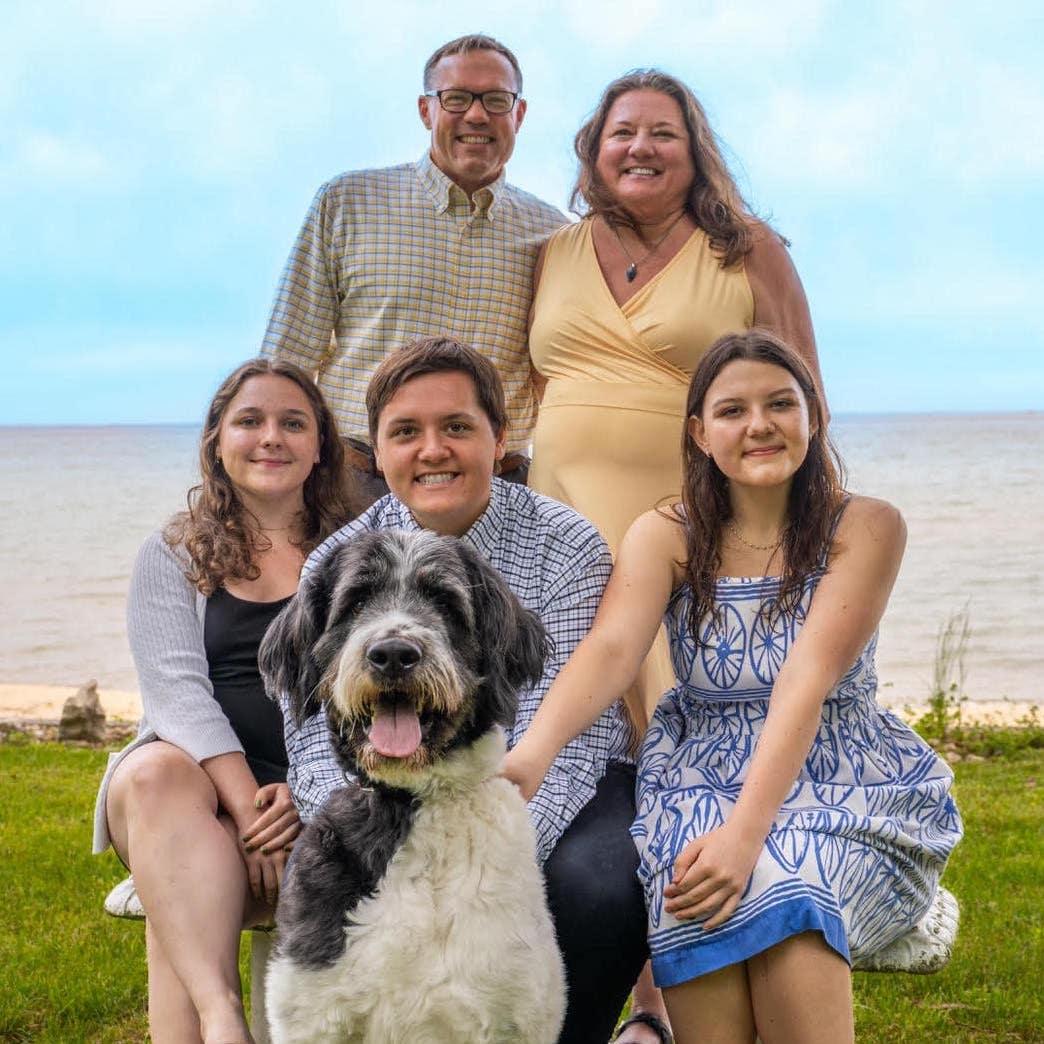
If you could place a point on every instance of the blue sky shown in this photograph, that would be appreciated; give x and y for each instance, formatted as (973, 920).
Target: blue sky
(156, 159)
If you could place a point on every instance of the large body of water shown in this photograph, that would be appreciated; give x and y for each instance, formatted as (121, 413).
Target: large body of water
(75, 503)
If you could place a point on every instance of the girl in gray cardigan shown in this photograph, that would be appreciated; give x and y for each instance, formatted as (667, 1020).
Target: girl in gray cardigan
(197, 805)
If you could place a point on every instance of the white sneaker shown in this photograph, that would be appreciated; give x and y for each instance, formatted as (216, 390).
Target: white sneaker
(925, 948)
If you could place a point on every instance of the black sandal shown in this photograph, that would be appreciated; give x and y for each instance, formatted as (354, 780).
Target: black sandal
(643, 1018)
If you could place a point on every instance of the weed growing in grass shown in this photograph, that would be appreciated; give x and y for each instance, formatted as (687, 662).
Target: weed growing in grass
(943, 725)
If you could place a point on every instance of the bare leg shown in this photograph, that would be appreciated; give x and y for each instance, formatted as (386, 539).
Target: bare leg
(646, 998)
(162, 813)
(172, 1015)
(713, 1009)
(801, 991)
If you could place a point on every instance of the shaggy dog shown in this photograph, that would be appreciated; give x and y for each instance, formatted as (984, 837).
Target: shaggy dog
(413, 909)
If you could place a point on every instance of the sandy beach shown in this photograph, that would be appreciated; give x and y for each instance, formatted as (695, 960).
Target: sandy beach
(44, 703)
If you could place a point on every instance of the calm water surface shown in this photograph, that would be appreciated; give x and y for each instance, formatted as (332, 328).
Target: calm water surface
(75, 503)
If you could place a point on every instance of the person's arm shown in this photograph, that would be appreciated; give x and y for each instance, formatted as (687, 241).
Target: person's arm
(605, 664)
(575, 571)
(265, 818)
(166, 639)
(780, 304)
(165, 632)
(314, 772)
(304, 314)
(711, 873)
(538, 380)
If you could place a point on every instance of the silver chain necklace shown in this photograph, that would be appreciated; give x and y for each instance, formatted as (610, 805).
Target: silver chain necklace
(632, 269)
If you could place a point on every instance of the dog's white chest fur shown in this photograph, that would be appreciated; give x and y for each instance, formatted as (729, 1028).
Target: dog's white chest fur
(457, 943)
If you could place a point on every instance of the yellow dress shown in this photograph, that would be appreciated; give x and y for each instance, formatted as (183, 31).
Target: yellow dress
(608, 436)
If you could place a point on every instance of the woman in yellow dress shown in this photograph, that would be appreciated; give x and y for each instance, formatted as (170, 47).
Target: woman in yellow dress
(667, 259)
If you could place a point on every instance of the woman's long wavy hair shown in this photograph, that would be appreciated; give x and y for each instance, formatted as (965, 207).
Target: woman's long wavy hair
(216, 530)
(816, 491)
(714, 202)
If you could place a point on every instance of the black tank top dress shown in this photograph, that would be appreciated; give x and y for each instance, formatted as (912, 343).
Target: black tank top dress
(232, 632)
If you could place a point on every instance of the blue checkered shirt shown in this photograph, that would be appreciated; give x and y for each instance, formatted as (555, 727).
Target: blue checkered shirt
(387, 256)
(557, 565)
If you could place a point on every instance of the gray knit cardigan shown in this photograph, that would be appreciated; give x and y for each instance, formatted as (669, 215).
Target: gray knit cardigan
(165, 628)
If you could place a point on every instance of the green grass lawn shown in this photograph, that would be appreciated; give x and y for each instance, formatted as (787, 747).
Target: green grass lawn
(69, 973)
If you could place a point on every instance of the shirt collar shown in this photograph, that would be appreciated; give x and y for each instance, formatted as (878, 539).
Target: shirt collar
(443, 191)
(484, 531)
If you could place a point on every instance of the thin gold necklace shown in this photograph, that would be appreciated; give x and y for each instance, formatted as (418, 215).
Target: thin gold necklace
(632, 269)
(734, 530)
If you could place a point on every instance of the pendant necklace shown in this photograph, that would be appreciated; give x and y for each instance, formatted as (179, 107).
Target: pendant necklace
(631, 271)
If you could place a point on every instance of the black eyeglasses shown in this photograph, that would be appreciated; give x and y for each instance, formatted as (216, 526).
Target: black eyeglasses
(496, 103)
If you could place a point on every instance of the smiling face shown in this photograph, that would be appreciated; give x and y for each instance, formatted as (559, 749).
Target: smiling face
(754, 423)
(268, 441)
(644, 155)
(472, 147)
(437, 449)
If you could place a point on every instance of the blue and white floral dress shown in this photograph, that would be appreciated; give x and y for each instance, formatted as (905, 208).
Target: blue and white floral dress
(858, 845)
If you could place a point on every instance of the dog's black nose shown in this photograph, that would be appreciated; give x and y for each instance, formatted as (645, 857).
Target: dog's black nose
(393, 657)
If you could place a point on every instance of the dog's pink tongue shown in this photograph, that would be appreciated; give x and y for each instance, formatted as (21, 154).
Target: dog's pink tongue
(395, 731)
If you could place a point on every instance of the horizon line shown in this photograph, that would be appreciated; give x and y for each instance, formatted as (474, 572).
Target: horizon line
(841, 415)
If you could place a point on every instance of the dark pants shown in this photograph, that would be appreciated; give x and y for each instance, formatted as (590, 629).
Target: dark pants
(598, 909)
(368, 486)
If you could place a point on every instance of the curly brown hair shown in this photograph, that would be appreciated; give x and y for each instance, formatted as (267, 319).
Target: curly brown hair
(816, 491)
(215, 531)
(714, 203)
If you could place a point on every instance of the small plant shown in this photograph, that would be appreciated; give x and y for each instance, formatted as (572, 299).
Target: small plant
(942, 723)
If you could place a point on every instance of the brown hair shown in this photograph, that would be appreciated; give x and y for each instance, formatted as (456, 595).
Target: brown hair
(816, 491)
(464, 45)
(215, 532)
(714, 201)
(436, 355)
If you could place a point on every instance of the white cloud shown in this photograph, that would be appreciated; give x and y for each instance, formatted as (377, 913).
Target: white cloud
(44, 156)
(717, 29)
(944, 116)
(998, 127)
(135, 18)
(162, 352)
(835, 139)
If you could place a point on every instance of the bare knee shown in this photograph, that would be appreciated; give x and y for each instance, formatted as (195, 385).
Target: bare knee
(157, 779)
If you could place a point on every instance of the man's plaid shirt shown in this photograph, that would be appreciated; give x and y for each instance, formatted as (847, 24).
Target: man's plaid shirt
(387, 256)
(557, 565)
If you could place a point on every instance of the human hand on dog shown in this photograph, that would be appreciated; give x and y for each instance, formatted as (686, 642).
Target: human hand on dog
(525, 772)
(267, 841)
(710, 876)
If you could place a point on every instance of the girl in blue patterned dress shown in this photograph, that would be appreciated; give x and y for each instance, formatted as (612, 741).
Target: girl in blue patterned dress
(786, 824)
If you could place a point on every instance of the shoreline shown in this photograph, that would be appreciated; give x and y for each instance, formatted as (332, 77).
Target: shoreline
(33, 702)
(43, 703)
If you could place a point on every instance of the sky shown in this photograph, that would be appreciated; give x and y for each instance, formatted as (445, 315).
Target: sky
(158, 156)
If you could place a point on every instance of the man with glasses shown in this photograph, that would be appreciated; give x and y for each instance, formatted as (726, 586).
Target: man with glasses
(440, 246)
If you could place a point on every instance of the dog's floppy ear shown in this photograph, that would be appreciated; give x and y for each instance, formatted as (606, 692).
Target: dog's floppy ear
(286, 657)
(512, 638)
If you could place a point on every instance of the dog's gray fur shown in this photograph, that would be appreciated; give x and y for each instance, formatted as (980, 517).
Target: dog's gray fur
(476, 639)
